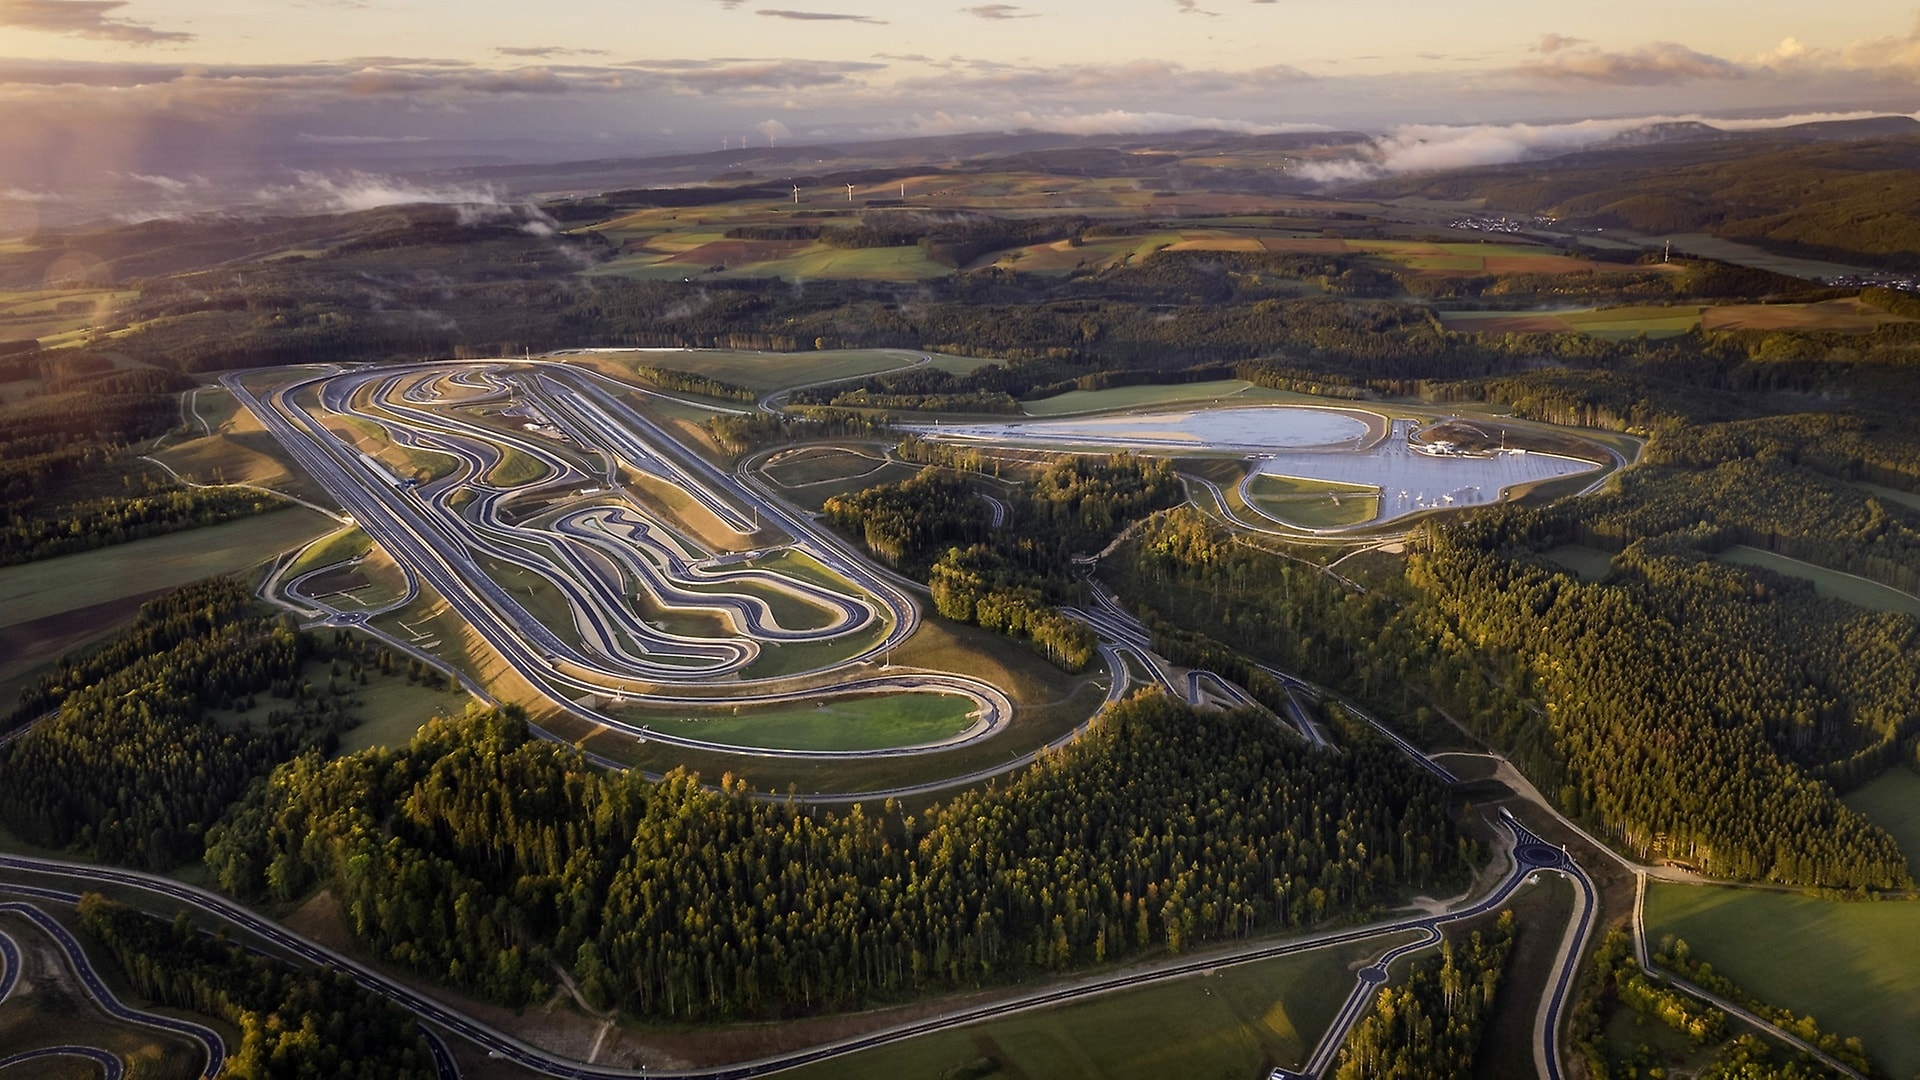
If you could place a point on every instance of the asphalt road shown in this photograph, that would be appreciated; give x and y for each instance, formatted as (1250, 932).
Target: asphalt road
(444, 548)
(1530, 854)
(209, 1040)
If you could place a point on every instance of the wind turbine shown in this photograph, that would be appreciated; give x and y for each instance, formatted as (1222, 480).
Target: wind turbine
(849, 192)
(796, 194)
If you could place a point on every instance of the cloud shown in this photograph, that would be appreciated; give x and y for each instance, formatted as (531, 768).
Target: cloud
(1192, 7)
(1649, 65)
(774, 130)
(998, 11)
(357, 140)
(1435, 147)
(1553, 43)
(1106, 122)
(83, 18)
(752, 75)
(545, 52)
(818, 16)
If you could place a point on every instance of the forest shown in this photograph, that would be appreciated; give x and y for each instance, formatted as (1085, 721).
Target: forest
(294, 1024)
(143, 752)
(1674, 711)
(480, 856)
(1011, 579)
(1429, 1028)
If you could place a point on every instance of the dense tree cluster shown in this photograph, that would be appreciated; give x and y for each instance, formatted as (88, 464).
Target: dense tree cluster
(1008, 579)
(907, 523)
(1674, 709)
(688, 382)
(306, 1024)
(135, 764)
(1430, 1028)
(978, 585)
(92, 523)
(479, 856)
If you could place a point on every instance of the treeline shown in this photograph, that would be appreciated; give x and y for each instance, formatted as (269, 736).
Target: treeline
(1430, 1028)
(480, 856)
(295, 1024)
(980, 586)
(1615, 981)
(687, 382)
(1009, 579)
(738, 434)
(1674, 710)
(95, 523)
(136, 762)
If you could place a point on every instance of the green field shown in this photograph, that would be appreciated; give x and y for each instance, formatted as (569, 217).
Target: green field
(1590, 564)
(515, 468)
(1893, 495)
(350, 542)
(1893, 803)
(1853, 967)
(765, 372)
(819, 464)
(48, 587)
(1314, 504)
(392, 709)
(1828, 583)
(871, 722)
(1134, 397)
(1235, 1024)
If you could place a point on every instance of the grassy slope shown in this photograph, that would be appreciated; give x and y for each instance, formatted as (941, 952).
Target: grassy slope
(50, 586)
(1855, 968)
(863, 723)
(1236, 1023)
(1893, 803)
(1829, 583)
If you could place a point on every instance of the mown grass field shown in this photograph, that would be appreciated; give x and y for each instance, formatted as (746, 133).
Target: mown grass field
(855, 723)
(1590, 564)
(52, 586)
(1226, 391)
(1828, 583)
(819, 464)
(1314, 504)
(1235, 1024)
(1893, 802)
(1853, 967)
(1657, 320)
(764, 372)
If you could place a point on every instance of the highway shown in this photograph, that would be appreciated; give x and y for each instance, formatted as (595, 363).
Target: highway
(1529, 854)
(593, 554)
(596, 547)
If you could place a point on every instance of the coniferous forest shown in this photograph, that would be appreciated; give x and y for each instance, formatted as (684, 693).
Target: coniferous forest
(480, 856)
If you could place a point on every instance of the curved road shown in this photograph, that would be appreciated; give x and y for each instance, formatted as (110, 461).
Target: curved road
(209, 1040)
(1530, 854)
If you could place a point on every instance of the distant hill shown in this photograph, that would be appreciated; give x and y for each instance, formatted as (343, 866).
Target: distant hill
(1819, 190)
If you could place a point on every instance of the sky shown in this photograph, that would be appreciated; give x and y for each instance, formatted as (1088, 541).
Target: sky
(177, 91)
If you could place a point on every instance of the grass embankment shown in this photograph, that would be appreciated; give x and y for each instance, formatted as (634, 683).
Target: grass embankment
(1829, 583)
(1853, 967)
(1314, 504)
(874, 722)
(1047, 704)
(1236, 1023)
(1893, 803)
(762, 372)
